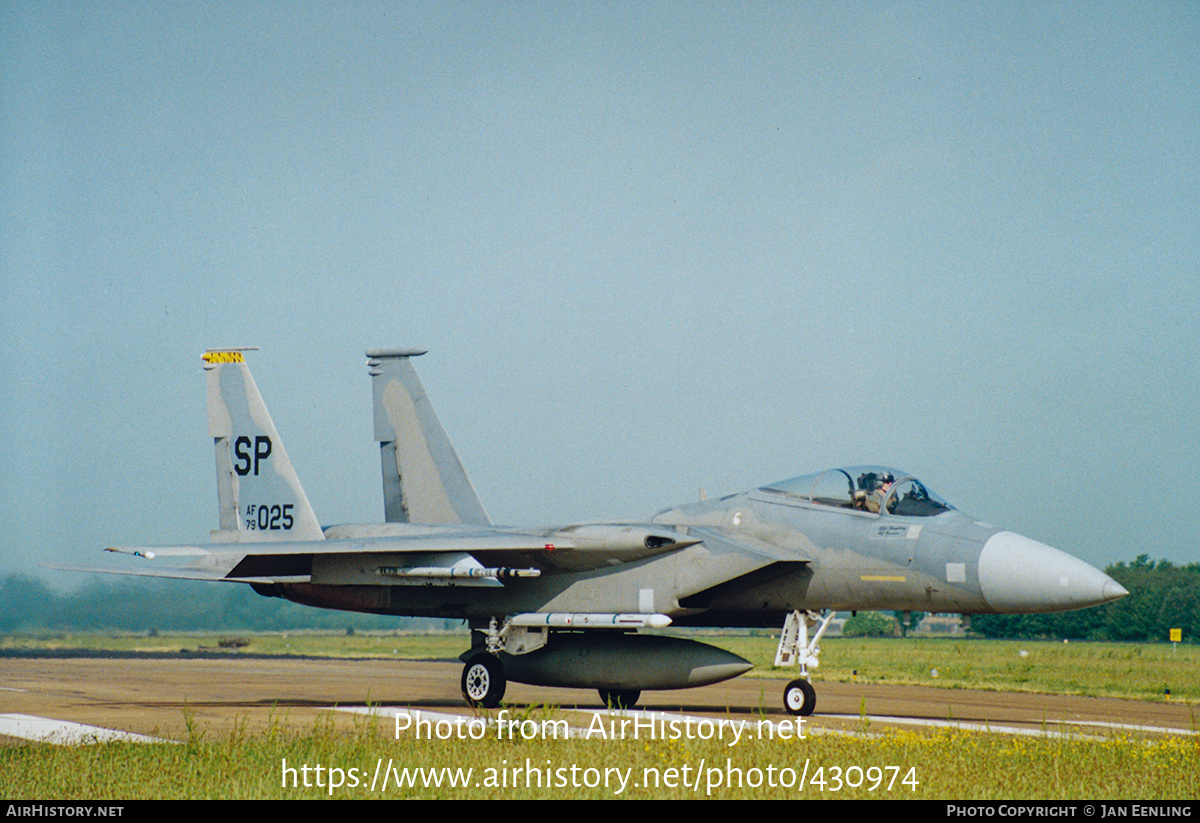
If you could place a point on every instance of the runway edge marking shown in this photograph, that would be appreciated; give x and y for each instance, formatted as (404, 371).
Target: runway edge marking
(66, 733)
(1014, 730)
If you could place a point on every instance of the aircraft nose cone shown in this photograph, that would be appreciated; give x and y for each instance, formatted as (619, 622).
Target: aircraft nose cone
(1018, 575)
(1114, 590)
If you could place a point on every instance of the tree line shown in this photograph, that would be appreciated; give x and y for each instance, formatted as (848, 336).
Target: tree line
(138, 605)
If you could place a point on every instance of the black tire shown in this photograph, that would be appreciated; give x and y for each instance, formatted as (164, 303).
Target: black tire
(619, 698)
(800, 698)
(483, 681)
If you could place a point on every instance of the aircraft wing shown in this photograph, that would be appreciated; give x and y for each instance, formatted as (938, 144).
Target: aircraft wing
(395, 554)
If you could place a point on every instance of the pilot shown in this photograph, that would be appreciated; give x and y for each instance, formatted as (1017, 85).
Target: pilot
(883, 484)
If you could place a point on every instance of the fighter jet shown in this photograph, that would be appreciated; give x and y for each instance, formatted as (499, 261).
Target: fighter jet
(573, 606)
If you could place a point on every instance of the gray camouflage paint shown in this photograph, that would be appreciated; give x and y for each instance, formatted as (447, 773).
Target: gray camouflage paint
(745, 560)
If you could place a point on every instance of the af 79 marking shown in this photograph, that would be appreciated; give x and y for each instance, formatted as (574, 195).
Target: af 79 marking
(269, 518)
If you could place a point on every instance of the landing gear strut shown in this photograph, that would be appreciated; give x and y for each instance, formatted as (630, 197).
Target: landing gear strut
(800, 698)
(483, 681)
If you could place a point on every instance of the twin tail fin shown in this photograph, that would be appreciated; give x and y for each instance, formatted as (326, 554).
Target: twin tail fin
(258, 493)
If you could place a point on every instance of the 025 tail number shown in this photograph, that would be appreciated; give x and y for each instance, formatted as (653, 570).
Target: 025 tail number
(269, 518)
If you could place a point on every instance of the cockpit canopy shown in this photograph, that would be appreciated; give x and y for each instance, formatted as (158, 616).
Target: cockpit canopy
(866, 488)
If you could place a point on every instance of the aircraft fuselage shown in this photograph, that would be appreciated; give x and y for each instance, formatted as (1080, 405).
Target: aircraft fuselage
(763, 554)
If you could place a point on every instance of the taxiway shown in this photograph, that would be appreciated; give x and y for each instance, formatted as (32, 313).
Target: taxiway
(158, 695)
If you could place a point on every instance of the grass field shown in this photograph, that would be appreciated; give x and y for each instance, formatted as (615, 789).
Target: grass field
(354, 751)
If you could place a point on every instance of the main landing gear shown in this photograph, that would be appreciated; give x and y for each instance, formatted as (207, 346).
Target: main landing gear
(483, 681)
(799, 697)
(619, 698)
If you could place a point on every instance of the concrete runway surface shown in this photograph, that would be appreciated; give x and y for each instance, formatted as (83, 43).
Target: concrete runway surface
(149, 695)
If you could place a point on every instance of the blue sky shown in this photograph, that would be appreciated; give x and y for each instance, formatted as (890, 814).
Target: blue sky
(650, 248)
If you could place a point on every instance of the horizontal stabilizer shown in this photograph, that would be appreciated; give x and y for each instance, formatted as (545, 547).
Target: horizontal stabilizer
(174, 572)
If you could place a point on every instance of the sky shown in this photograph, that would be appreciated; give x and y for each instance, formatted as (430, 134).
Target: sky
(651, 248)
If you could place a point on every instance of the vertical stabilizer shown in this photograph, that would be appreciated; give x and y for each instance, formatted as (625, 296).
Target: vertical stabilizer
(258, 492)
(423, 480)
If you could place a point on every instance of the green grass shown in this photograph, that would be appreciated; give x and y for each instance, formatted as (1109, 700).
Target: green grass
(1139, 671)
(938, 765)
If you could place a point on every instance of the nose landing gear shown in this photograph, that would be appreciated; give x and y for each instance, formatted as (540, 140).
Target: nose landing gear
(799, 697)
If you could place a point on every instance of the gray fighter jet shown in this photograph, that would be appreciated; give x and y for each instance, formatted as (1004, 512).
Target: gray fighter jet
(567, 605)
